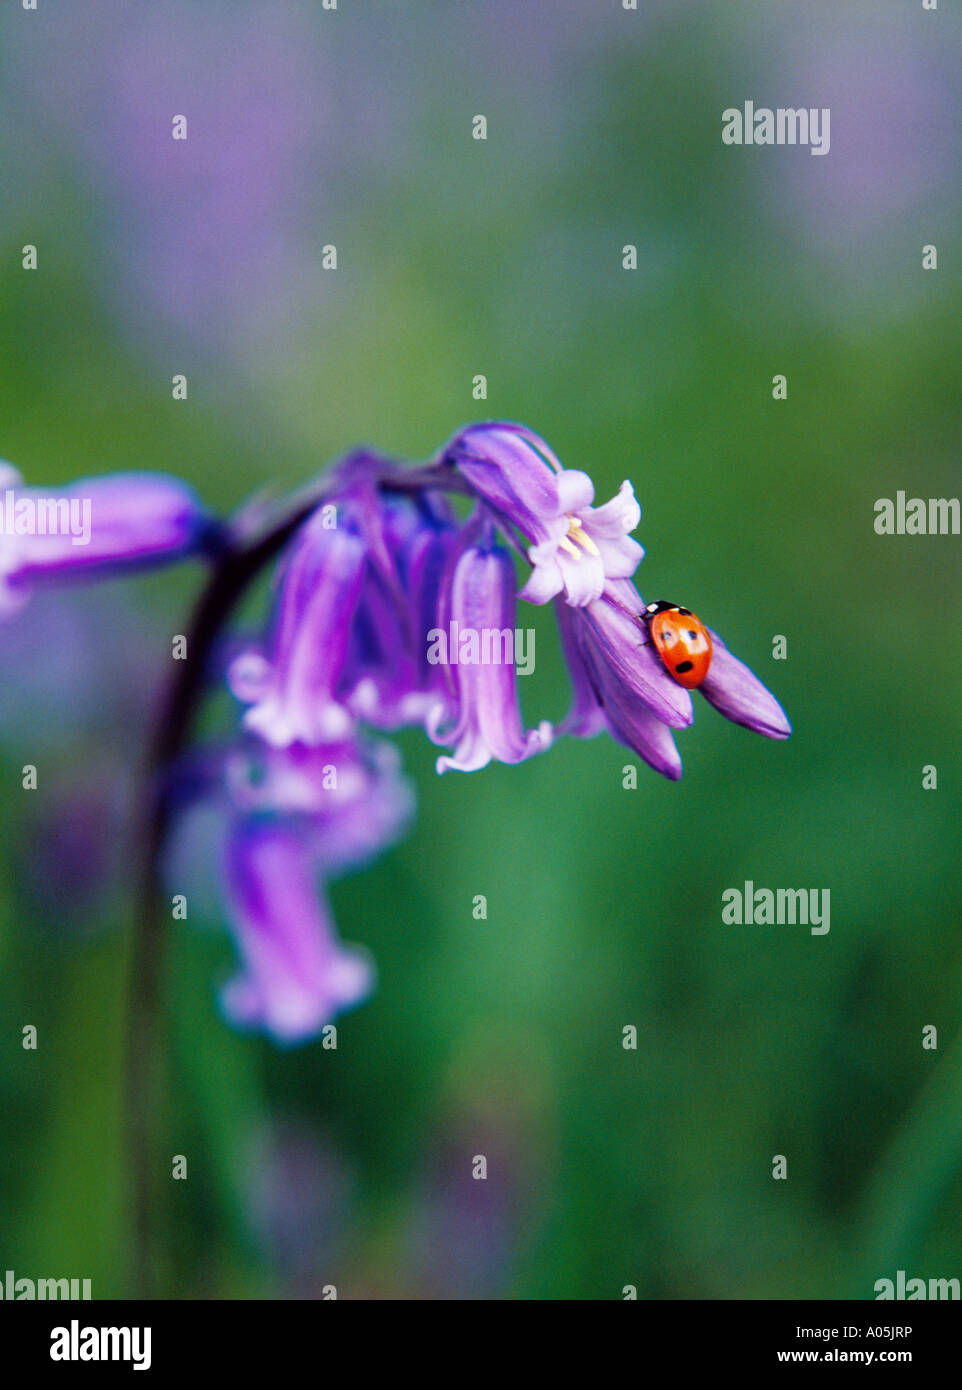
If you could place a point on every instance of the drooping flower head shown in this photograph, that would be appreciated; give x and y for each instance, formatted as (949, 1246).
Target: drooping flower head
(97, 527)
(391, 608)
(296, 976)
(388, 681)
(574, 547)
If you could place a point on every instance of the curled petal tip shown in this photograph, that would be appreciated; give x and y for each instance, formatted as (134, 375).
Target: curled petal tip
(738, 694)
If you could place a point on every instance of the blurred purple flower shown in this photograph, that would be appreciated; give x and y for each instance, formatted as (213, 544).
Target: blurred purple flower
(293, 692)
(52, 690)
(466, 1231)
(296, 976)
(215, 227)
(896, 110)
(94, 527)
(350, 798)
(72, 852)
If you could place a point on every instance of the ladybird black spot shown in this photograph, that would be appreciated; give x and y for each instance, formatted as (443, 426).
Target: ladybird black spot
(683, 666)
(693, 635)
(685, 612)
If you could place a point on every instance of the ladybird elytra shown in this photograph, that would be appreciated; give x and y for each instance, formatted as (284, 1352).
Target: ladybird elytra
(681, 640)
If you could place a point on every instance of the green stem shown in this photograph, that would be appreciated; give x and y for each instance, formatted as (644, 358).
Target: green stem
(235, 569)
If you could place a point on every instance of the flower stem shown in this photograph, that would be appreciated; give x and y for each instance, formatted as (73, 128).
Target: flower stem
(238, 563)
(234, 570)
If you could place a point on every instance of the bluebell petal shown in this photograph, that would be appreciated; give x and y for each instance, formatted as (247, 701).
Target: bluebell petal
(621, 645)
(739, 695)
(487, 721)
(296, 975)
(95, 527)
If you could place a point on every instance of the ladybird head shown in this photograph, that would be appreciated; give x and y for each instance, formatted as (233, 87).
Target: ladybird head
(664, 605)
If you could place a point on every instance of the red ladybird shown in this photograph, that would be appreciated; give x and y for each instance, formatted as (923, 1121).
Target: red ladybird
(681, 640)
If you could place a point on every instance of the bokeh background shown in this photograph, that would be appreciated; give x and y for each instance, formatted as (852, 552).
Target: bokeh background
(607, 1167)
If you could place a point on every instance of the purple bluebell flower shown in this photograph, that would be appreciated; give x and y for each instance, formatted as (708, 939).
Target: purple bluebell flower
(390, 610)
(619, 683)
(94, 527)
(300, 816)
(350, 798)
(603, 702)
(611, 635)
(293, 690)
(575, 546)
(487, 716)
(296, 976)
(388, 681)
(430, 559)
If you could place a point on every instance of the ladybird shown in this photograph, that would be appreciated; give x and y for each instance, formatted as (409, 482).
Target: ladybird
(681, 640)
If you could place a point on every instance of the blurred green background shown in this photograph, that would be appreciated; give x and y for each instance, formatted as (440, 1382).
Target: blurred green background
(607, 1167)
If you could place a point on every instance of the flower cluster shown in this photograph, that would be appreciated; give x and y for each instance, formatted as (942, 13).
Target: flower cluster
(385, 560)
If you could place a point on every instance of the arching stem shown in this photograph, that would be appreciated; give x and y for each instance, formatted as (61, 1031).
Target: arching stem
(238, 563)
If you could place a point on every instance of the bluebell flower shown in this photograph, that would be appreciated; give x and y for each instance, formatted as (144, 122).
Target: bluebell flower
(485, 723)
(350, 799)
(738, 694)
(620, 684)
(292, 687)
(390, 609)
(575, 547)
(96, 527)
(388, 681)
(296, 976)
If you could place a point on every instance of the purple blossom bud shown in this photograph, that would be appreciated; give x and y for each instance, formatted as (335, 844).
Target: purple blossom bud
(620, 683)
(388, 680)
(351, 797)
(576, 547)
(612, 637)
(93, 527)
(488, 717)
(740, 696)
(296, 975)
(601, 701)
(293, 693)
(430, 562)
